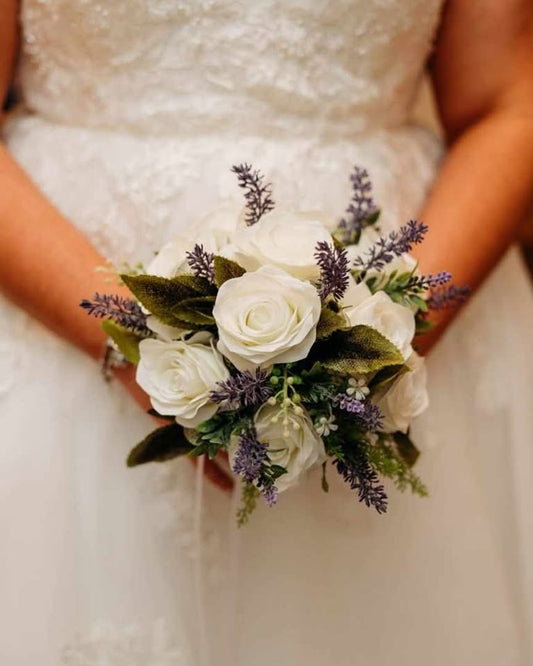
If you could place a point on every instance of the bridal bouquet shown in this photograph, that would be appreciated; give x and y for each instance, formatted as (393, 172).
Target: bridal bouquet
(286, 341)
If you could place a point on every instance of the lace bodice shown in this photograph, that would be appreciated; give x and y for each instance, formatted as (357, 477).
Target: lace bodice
(200, 66)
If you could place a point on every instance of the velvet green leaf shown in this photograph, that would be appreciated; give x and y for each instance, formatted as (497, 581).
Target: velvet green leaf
(226, 269)
(386, 376)
(358, 350)
(163, 297)
(162, 444)
(406, 449)
(127, 341)
(196, 311)
(328, 323)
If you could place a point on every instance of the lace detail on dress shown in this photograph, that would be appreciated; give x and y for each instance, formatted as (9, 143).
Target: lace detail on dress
(107, 645)
(207, 66)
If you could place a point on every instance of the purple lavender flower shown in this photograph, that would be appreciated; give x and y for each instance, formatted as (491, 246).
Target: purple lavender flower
(393, 245)
(250, 456)
(270, 494)
(369, 416)
(360, 476)
(350, 404)
(447, 297)
(372, 417)
(244, 389)
(258, 196)
(201, 263)
(334, 270)
(423, 282)
(123, 311)
(361, 208)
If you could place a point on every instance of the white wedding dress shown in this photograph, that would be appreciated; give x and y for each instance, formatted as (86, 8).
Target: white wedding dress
(133, 112)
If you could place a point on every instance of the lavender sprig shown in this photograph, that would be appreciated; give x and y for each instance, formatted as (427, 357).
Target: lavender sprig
(361, 208)
(334, 270)
(447, 297)
(423, 282)
(393, 245)
(270, 494)
(360, 476)
(123, 311)
(201, 263)
(250, 457)
(258, 196)
(368, 415)
(243, 390)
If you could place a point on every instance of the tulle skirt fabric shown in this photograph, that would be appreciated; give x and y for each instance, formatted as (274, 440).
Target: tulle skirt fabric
(103, 565)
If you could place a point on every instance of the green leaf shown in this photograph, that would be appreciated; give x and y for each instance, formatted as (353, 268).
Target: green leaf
(329, 322)
(325, 484)
(127, 341)
(386, 376)
(359, 350)
(196, 311)
(419, 302)
(226, 269)
(163, 297)
(162, 444)
(423, 325)
(372, 219)
(406, 449)
(249, 501)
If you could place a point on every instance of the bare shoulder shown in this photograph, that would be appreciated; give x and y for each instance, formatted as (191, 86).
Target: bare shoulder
(8, 42)
(483, 57)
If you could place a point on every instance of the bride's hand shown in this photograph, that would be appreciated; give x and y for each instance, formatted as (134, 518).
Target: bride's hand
(213, 472)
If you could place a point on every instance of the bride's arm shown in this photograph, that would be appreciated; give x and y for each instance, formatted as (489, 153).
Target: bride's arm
(483, 78)
(46, 265)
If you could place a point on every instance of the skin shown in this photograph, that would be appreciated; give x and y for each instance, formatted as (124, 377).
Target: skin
(482, 70)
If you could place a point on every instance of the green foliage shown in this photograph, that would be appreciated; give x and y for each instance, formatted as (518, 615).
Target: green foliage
(225, 269)
(196, 311)
(162, 444)
(385, 377)
(249, 495)
(126, 340)
(401, 288)
(215, 433)
(358, 350)
(324, 482)
(423, 325)
(329, 322)
(406, 449)
(316, 386)
(387, 461)
(170, 300)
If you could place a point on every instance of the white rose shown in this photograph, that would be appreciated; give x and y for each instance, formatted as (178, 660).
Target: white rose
(406, 398)
(214, 231)
(266, 317)
(178, 376)
(284, 239)
(217, 229)
(295, 446)
(171, 258)
(405, 263)
(355, 294)
(394, 321)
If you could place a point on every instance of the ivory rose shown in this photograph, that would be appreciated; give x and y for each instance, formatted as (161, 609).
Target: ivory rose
(266, 317)
(179, 376)
(406, 398)
(296, 446)
(394, 321)
(284, 239)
